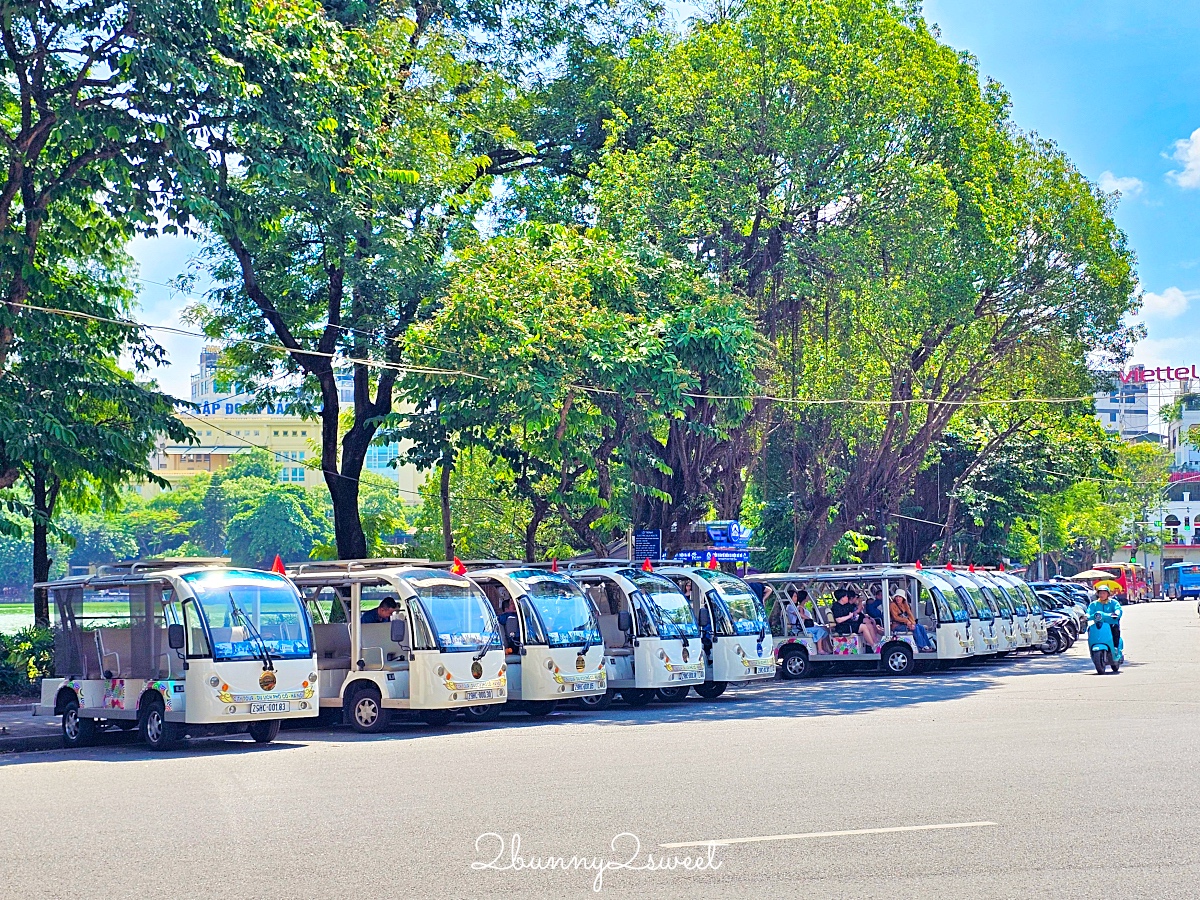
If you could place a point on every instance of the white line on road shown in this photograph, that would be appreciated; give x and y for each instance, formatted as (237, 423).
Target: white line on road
(823, 834)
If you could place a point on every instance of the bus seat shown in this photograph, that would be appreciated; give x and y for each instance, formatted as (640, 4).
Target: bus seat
(614, 637)
(377, 634)
(332, 645)
(116, 651)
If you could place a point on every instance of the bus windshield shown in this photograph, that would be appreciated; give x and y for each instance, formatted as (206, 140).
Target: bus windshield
(565, 613)
(459, 614)
(745, 609)
(974, 602)
(953, 610)
(998, 599)
(670, 610)
(241, 605)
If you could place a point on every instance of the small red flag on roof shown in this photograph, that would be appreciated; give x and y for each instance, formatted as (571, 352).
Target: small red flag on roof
(949, 567)
(646, 567)
(277, 566)
(458, 568)
(1001, 567)
(919, 566)
(971, 568)
(554, 565)
(712, 563)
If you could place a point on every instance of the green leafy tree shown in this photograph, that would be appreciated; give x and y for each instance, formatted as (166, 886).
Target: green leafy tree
(283, 520)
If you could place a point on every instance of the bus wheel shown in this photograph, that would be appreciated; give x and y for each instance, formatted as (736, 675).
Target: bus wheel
(76, 731)
(156, 731)
(637, 696)
(439, 716)
(265, 732)
(367, 715)
(711, 690)
(488, 713)
(795, 663)
(672, 694)
(898, 659)
(598, 701)
(539, 708)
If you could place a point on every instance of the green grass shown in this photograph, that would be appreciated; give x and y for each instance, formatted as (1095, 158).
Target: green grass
(15, 616)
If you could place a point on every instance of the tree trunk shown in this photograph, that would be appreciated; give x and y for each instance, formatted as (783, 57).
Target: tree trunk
(44, 497)
(447, 468)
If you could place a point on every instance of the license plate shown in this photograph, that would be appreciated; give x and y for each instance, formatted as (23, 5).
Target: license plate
(479, 695)
(684, 676)
(271, 707)
(764, 670)
(584, 686)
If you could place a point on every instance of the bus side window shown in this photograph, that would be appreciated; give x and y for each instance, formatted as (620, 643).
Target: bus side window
(419, 637)
(196, 642)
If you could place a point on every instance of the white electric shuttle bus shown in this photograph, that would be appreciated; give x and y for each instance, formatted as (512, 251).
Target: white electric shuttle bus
(737, 643)
(179, 648)
(651, 639)
(1008, 624)
(990, 638)
(431, 645)
(810, 640)
(551, 637)
(1036, 622)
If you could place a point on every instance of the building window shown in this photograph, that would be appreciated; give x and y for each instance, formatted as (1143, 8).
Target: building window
(276, 434)
(303, 434)
(1112, 417)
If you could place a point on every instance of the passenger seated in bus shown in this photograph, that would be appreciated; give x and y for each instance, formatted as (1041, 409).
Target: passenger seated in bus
(875, 605)
(380, 614)
(808, 615)
(849, 617)
(904, 620)
(792, 615)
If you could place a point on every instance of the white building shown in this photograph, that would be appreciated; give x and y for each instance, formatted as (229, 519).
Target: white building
(1125, 410)
(1184, 435)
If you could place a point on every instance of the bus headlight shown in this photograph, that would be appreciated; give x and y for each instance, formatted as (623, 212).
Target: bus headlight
(214, 680)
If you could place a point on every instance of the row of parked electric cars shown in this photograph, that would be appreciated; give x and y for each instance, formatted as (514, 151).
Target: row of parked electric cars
(185, 648)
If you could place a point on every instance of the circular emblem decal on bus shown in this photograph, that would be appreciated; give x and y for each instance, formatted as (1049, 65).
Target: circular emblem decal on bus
(580, 662)
(476, 670)
(267, 680)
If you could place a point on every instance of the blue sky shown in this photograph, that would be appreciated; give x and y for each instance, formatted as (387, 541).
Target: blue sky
(1115, 84)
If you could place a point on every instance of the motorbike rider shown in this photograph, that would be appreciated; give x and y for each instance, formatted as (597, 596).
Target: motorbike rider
(1107, 604)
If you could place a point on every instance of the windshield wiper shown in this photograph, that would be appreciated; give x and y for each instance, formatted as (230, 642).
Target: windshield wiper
(486, 645)
(264, 652)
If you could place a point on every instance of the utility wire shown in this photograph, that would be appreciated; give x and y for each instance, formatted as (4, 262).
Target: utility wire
(460, 373)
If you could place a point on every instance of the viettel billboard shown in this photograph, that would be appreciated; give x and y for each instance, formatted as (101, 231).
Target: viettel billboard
(1142, 375)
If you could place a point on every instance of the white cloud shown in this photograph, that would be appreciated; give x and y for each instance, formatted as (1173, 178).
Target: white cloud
(1170, 304)
(1187, 151)
(1127, 187)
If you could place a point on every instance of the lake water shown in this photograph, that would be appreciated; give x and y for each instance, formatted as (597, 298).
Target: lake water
(15, 616)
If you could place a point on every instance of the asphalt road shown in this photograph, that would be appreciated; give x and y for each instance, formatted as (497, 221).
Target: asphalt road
(1090, 786)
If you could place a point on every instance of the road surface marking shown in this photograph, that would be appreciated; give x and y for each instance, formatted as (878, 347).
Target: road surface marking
(823, 834)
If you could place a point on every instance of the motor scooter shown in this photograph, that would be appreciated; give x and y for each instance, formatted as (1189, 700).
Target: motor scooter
(1100, 642)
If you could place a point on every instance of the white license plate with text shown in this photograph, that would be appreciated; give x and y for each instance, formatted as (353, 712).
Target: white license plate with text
(273, 706)
(479, 695)
(584, 686)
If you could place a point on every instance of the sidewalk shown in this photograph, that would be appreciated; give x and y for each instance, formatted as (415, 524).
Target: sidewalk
(21, 731)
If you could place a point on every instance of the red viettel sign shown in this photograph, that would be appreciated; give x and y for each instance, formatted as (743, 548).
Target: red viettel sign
(1142, 375)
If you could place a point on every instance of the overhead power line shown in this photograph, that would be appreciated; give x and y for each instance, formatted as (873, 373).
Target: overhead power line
(434, 371)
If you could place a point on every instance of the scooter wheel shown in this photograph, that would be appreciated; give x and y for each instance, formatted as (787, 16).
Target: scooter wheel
(1100, 660)
(1115, 666)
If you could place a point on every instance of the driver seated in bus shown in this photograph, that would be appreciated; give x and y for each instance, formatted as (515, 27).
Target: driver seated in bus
(508, 612)
(380, 614)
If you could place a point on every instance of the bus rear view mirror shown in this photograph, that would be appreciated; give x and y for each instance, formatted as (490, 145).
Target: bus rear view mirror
(624, 621)
(929, 607)
(175, 637)
(399, 630)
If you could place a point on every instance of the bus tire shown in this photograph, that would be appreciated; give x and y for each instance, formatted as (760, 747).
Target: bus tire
(366, 713)
(540, 708)
(793, 663)
(637, 696)
(898, 659)
(156, 731)
(264, 732)
(711, 690)
(598, 701)
(76, 730)
(483, 713)
(672, 694)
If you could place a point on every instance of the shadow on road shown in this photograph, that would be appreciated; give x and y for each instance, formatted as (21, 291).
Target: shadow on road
(843, 694)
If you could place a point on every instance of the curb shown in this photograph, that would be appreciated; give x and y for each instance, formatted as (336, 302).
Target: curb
(29, 744)
(18, 707)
